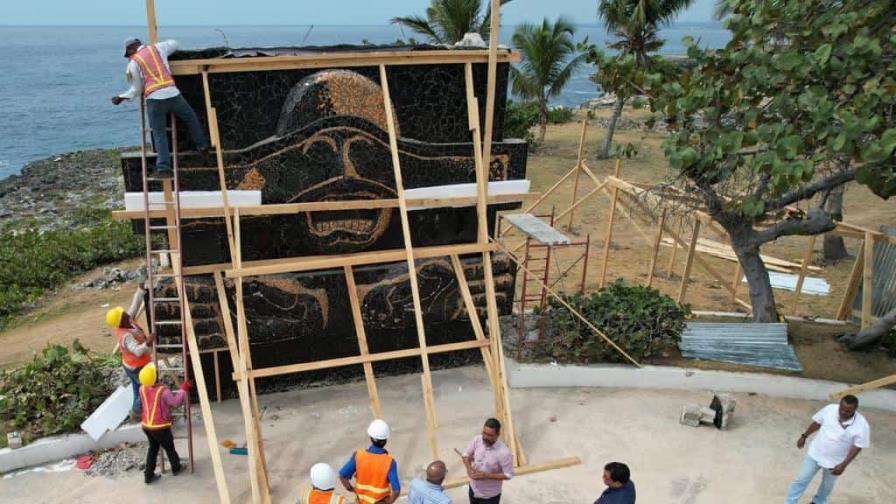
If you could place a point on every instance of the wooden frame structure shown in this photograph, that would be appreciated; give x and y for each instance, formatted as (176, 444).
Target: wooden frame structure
(245, 373)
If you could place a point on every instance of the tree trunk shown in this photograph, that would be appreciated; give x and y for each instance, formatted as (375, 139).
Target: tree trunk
(762, 298)
(870, 336)
(834, 248)
(542, 119)
(604, 152)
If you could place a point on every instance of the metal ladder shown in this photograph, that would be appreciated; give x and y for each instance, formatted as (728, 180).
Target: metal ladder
(172, 229)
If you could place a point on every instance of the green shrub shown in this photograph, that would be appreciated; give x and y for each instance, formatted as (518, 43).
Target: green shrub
(641, 321)
(560, 115)
(53, 393)
(32, 262)
(519, 118)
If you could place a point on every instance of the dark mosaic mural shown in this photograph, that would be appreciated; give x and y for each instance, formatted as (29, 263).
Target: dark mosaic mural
(321, 135)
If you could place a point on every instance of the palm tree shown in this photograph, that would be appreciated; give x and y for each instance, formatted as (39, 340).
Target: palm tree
(635, 25)
(549, 60)
(447, 21)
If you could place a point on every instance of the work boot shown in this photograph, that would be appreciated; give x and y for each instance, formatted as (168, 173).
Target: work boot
(153, 478)
(176, 470)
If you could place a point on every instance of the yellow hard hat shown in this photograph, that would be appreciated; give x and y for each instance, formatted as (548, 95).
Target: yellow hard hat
(113, 316)
(147, 375)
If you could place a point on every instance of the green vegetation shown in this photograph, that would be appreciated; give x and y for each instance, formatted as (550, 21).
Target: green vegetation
(521, 117)
(54, 393)
(641, 321)
(32, 262)
(447, 21)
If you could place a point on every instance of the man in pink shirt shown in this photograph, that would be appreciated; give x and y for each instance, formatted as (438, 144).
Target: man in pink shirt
(488, 462)
(157, 402)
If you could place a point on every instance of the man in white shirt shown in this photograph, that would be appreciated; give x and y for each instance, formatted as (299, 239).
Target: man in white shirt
(842, 433)
(149, 75)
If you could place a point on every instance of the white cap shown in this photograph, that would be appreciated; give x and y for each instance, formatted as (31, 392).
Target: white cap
(378, 429)
(322, 476)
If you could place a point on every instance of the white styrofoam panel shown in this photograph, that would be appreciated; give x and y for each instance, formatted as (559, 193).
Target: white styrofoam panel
(133, 201)
(467, 190)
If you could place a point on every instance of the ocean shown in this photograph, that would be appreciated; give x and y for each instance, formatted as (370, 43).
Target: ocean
(56, 82)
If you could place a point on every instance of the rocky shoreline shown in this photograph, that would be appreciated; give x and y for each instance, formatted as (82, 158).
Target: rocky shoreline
(61, 191)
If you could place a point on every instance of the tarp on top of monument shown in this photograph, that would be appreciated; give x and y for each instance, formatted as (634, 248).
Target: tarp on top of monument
(762, 345)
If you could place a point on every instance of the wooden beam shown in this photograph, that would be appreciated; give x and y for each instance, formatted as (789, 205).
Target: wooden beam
(670, 268)
(572, 310)
(362, 342)
(656, 248)
(151, 24)
(358, 359)
(575, 188)
(608, 238)
(807, 258)
(219, 154)
(867, 280)
(736, 281)
(409, 257)
(311, 263)
(689, 262)
(580, 201)
(522, 470)
(208, 422)
(541, 198)
(852, 286)
(342, 59)
(326, 206)
(464, 289)
(881, 382)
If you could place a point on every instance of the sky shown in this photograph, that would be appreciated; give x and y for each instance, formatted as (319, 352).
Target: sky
(282, 12)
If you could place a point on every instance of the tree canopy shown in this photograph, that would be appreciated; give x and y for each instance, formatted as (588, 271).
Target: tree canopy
(447, 21)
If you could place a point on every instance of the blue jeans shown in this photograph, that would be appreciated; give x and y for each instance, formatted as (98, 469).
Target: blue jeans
(135, 384)
(158, 111)
(807, 472)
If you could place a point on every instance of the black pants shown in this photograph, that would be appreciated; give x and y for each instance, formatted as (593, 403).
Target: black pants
(163, 438)
(158, 111)
(491, 500)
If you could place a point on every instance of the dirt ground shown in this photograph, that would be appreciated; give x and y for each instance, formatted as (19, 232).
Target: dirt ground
(752, 462)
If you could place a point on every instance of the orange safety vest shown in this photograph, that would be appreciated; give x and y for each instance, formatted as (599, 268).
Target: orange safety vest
(315, 496)
(130, 360)
(156, 75)
(151, 416)
(372, 476)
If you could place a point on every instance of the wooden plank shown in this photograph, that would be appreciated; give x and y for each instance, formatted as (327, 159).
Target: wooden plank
(208, 421)
(670, 267)
(217, 377)
(736, 281)
(151, 24)
(656, 248)
(362, 342)
(867, 279)
(881, 382)
(571, 309)
(522, 470)
(343, 59)
(409, 256)
(579, 202)
(222, 181)
(537, 229)
(464, 289)
(326, 206)
(357, 359)
(575, 188)
(852, 285)
(608, 239)
(311, 263)
(807, 257)
(689, 262)
(541, 198)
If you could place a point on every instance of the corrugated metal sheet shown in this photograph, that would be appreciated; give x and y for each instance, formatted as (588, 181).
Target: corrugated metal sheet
(762, 345)
(883, 283)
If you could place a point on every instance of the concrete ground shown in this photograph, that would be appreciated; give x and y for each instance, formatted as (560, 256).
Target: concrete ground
(753, 462)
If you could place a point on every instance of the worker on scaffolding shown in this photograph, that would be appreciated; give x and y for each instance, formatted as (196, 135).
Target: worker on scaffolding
(157, 402)
(374, 470)
(135, 347)
(149, 74)
(323, 483)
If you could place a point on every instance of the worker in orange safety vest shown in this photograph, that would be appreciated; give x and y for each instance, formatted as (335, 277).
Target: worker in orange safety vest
(323, 481)
(157, 402)
(149, 76)
(374, 470)
(136, 349)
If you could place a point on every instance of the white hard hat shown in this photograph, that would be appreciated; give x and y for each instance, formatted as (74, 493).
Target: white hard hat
(378, 429)
(322, 476)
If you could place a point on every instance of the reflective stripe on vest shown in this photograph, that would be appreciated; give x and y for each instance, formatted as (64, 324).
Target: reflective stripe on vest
(130, 360)
(150, 414)
(315, 496)
(156, 75)
(372, 476)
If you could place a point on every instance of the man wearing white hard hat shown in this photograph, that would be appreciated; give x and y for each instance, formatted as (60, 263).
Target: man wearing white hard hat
(323, 481)
(374, 470)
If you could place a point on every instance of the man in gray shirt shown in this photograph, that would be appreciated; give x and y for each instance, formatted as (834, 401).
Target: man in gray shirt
(430, 491)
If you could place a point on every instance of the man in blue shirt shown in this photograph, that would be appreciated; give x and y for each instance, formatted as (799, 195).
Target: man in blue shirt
(368, 467)
(620, 487)
(430, 491)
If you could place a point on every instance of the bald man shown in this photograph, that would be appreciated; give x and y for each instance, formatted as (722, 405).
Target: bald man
(430, 491)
